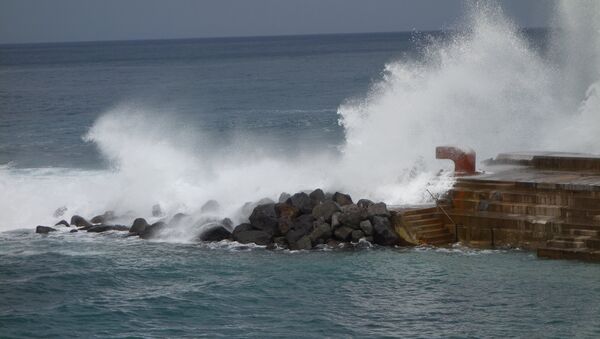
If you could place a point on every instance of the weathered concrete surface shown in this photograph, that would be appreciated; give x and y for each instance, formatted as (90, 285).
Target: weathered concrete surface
(549, 202)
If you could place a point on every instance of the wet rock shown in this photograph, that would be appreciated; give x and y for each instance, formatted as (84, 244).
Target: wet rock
(153, 230)
(252, 236)
(342, 199)
(157, 211)
(343, 233)
(73, 231)
(280, 242)
(264, 218)
(383, 234)
(139, 226)
(44, 229)
(104, 228)
(242, 228)
(210, 207)
(62, 222)
(366, 227)
(227, 223)
(364, 203)
(215, 233)
(335, 220)
(285, 210)
(357, 235)
(317, 196)
(379, 209)
(300, 227)
(302, 202)
(80, 221)
(333, 243)
(283, 197)
(352, 215)
(303, 243)
(325, 210)
(321, 232)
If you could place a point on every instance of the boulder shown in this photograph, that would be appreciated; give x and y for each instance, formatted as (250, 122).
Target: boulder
(317, 196)
(285, 210)
(383, 233)
(366, 227)
(322, 232)
(242, 228)
(280, 242)
(178, 218)
(283, 197)
(73, 231)
(252, 236)
(227, 223)
(299, 227)
(378, 209)
(357, 235)
(62, 222)
(302, 202)
(343, 233)
(325, 210)
(103, 218)
(80, 221)
(352, 215)
(335, 220)
(44, 229)
(210, 206)
(264, 218)
(303, 243)
(139, 226)
(104, 228)
(153, 230)
(215, 233)
(364, 203)
(342, 199)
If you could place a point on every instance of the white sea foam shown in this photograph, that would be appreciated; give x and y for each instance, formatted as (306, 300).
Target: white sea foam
(485, 87)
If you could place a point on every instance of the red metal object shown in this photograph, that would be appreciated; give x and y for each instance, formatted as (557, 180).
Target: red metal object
(464, 159)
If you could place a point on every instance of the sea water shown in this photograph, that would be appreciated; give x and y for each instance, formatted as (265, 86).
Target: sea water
(123, 126)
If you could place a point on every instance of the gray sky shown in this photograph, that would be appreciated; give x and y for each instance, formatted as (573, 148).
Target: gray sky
(23, 21)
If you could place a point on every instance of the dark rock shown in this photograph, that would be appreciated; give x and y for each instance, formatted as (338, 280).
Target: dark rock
(106, 217)
(215, 233)
(369, 239)
(62, 222)
(80, 221)
(379, 209)
(153, 230)
(366, 227)
(342, 199)
(317, 196)
(284, 225)
(383, 234)
(357, 235)
(325, 210)
(335, 220)
(343, 233)
(333, 243)
(285, 210)
(321, 232)
(139, 226)
(253, 236)
(104, 228)
(210, 206)
(280, 242)
(44, 229)
(242, 228)
(364, 203)
(300, 227)
(73, 231)
(264, 218)
(228, 224)
(302, 202)
(303, 243)
(352, 215)
(157, 211)
(283, 197)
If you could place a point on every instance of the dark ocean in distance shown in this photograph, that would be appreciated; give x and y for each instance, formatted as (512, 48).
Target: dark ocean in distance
(92, 126)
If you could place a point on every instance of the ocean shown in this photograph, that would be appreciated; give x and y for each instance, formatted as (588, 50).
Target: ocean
(123, 126)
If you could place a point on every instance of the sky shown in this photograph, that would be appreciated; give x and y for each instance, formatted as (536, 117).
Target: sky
(28, 21)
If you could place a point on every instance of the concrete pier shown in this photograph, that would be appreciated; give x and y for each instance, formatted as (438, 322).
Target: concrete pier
(547, 202)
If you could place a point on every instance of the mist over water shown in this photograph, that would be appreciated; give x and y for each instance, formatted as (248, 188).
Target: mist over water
(485, 87)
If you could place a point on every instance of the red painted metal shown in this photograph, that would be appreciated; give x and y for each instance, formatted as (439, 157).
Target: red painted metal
(464, 159)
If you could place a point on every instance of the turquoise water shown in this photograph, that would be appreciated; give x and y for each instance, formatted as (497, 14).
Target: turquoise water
(105, 285)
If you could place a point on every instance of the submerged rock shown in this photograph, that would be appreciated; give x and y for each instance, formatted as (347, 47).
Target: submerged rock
(104, 228)
(44, 229)
(252, 236)
(62, 222)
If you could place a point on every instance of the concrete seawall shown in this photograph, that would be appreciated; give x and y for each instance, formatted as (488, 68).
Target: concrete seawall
(547, 202)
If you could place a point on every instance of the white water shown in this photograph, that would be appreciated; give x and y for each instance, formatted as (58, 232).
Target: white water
(485, 88)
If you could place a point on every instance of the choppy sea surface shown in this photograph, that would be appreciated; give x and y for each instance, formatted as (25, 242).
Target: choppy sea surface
(284, 92)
